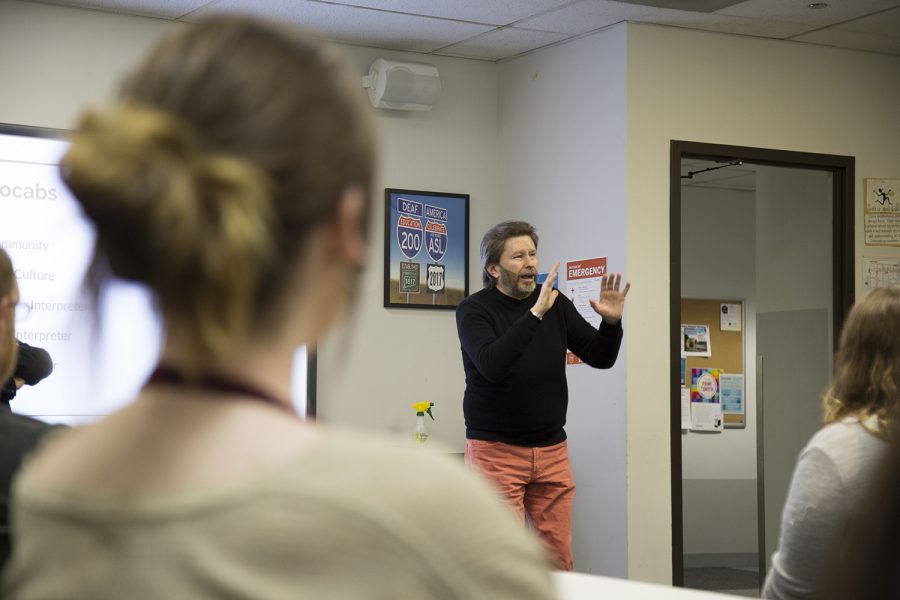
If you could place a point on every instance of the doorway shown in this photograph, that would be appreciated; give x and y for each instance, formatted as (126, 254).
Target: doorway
(749, 221)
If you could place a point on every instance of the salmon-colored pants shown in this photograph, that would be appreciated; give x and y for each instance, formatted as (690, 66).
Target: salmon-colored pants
(536, 481)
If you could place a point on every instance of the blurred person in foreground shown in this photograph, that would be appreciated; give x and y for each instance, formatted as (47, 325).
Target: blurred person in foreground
(18, 434)
(835, 470)
(232, 178)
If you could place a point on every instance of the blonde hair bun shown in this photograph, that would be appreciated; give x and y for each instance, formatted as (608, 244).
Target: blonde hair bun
(174, 215)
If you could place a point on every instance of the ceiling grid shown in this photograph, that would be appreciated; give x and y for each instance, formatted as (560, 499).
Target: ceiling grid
(494, 30)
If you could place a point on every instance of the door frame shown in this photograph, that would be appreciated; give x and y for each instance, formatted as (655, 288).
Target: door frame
(843, 169)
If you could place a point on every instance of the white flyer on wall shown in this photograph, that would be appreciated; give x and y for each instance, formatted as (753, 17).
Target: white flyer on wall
(695, 340)
(583, 279)
(731, 392)
(706, 416)
(685, 408)
(581, 284)
(729, 317)
(881, 272)
(881, 221)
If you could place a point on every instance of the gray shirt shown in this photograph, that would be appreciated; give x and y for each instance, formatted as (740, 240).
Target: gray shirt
(828, 486)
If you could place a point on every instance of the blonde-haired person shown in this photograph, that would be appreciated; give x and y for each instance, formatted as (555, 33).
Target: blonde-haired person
(232, 178)
(835, 469)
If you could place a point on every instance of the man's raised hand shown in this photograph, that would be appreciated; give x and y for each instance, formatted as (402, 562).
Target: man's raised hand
(548, 295)
(611, 304)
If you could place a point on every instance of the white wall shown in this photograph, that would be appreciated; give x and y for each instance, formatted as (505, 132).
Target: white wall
(744, 91)
(398, 356)
(54, 61)
(562, 153)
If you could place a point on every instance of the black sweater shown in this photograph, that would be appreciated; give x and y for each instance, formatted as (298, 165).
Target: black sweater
(19, 435)
(515, 365)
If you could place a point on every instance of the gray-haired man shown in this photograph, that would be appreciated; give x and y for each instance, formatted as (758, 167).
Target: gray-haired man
(514, 335)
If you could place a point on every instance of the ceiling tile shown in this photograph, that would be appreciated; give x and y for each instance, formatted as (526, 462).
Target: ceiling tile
(884, 23)
(842, 38)
(354, 25)
(727, 24)
(160, 9)
(694, 5)
(595, 14)
(493, 12)
(465, 27)
(798, 11)
(503, 43)
(586, 16)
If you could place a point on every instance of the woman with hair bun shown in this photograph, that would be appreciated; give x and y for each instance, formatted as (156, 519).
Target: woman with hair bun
(232, 178)
(835, 470)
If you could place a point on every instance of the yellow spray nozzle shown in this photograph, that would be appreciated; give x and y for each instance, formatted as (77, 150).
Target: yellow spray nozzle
(424, 407)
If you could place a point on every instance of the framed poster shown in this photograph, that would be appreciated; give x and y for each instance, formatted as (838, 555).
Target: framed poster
(426, 241)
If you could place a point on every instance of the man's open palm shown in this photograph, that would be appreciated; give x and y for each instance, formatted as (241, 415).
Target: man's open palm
(611, 304)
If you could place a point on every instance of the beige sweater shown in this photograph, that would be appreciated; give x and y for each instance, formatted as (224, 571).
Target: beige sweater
(346, 519)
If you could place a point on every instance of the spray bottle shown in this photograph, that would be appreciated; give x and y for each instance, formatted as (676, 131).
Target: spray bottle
(420, 434)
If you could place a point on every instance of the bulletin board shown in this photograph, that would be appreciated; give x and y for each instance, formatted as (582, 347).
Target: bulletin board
(726, 347)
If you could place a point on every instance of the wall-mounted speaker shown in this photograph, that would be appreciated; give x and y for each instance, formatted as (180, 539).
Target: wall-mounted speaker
(402, 85)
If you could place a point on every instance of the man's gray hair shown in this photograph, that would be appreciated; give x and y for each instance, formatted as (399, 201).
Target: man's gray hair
(494, 241)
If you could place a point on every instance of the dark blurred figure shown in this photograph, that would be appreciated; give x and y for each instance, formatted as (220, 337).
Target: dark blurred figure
(32, 366)
(18, 434)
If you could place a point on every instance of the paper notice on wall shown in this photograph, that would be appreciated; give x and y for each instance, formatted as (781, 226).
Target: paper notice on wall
(685, 408)
(729, 317)
(882, 230)
(705, 385)
(706, 408)
(583, 280)
(706, 417)
(882, 212)
(731, 393)
(881, 272)
(582, 284)
(882, 196)
(695, 341)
